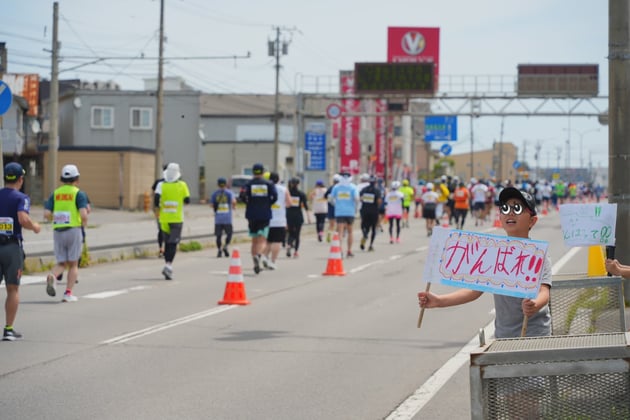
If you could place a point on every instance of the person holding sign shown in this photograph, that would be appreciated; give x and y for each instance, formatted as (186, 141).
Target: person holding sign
(515, 316)
(615, 268)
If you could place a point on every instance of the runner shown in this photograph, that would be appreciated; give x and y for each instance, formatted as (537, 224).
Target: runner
(331, 208)
(295, 217)
(320, 207)
(67, 209)
(461, 204)
(429, 205)
(394, 200)
(260, 194)
(14, 216)
(170, 198)
(370, 197)
(345, 198)
(408, 194)
(223, 202)
(277, 224)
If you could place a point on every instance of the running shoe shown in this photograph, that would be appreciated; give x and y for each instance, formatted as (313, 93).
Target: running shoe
(319, 236)
(167, 272)
(295, 254)
(60, 277)
(11, 335)
(271, 265)
(219, 254)
(265, 261)
(362, 246)
(161, 253)
(391, 239)
(50, 285)
(256, 264)
(288, 251)
(349, 254)
(69, 297)
(225, 251)
(371, 249)
(397, 240)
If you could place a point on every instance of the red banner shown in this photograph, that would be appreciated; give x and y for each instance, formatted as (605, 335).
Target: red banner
(349, 145)
(414, 45)
(380, 128)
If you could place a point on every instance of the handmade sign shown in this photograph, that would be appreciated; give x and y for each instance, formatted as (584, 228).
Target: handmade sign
(588, 224)
(488, 263)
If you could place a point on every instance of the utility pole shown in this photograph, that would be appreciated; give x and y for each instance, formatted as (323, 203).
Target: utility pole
(53, 134)
(159, 148)
(275, 50)
(619, 114)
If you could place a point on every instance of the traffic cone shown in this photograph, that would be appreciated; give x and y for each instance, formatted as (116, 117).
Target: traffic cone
(235, 288)
(335, 265)
(497, 221)
(596, 262)
(445, 223)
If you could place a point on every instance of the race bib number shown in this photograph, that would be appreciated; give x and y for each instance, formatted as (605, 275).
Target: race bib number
(259, 190)
(6, 226)
(61, 218)
(368, 198)
(223, 208)
(275, 206)
(295, 201)
(169, 207)
(343, 196)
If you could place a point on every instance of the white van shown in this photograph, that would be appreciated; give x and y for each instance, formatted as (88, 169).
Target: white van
(237, 185)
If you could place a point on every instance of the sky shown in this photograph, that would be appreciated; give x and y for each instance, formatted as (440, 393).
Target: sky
(480, 38)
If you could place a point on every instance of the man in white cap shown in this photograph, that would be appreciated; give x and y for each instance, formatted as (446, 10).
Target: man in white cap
(67, 208)
(169, 199)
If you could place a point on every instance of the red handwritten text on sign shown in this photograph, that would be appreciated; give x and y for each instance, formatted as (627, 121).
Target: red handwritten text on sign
(490, 263)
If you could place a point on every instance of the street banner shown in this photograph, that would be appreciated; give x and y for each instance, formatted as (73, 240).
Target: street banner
(487, 263)
(380, 140)
(349, 144)
(588, 224)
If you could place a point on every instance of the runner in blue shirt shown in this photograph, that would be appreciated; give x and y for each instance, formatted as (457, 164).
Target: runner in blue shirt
(223, 202)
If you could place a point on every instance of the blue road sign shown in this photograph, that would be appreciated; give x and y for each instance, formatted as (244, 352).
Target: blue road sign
(440, 128)
(6, 97)
(315, 146)
(516, 164)
(446, 149)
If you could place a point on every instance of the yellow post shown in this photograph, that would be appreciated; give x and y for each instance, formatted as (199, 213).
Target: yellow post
(596, 261)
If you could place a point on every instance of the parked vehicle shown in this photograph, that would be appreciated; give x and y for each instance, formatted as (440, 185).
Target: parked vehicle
(237, 185)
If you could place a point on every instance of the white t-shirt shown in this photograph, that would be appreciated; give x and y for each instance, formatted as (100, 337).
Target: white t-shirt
(394, 203)
(279, 209)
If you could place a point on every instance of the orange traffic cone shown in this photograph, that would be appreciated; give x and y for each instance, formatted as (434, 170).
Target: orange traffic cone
(445, 223)
(235, 288)
(335, 265)
(497, 221)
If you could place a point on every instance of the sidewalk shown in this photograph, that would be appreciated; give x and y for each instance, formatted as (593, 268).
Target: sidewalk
(120, 234)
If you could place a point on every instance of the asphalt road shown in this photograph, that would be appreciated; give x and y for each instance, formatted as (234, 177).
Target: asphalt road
(136, 346)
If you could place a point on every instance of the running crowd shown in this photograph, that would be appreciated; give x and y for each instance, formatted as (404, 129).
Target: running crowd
(276, 212)
(275, 215)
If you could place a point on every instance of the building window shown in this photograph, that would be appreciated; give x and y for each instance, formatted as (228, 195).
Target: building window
(141, 118)
(102, 117)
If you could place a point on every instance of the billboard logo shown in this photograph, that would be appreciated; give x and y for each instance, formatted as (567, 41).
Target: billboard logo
(413, 43)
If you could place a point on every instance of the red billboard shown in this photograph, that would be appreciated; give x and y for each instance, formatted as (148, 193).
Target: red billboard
(414, 45)
(349, 144)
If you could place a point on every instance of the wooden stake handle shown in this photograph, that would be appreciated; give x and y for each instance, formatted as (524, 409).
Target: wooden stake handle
(422, 309)
(524, 329)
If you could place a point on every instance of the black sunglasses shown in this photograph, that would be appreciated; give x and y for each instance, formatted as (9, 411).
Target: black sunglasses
(516, 208)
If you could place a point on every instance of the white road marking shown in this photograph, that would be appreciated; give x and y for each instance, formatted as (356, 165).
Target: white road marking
(166, 325)
(112, 293)
(413, 404)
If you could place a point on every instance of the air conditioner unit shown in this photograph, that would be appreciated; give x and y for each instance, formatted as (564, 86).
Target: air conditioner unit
(87, 85)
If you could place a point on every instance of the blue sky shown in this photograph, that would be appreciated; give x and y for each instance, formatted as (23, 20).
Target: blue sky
(485, 37)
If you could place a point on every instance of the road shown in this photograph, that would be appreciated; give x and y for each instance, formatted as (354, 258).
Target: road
(307, 347)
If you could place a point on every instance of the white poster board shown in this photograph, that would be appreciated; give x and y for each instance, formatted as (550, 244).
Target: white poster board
(488, 263)
(588, 224)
